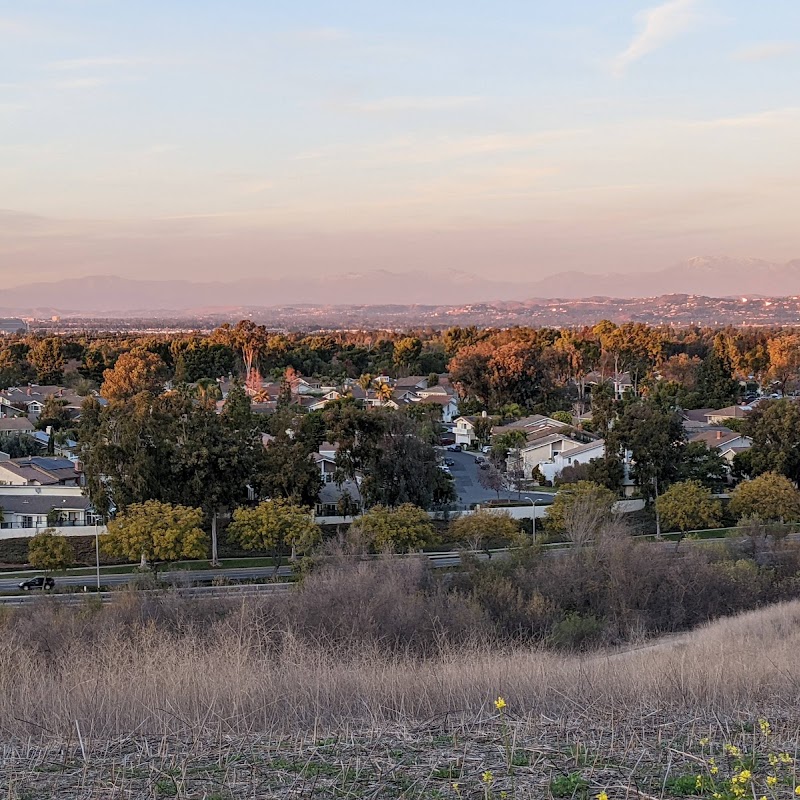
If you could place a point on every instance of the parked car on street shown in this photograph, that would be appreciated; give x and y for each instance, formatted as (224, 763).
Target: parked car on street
(39, 582)
(480, 460)
(449, 462)
(454, 448)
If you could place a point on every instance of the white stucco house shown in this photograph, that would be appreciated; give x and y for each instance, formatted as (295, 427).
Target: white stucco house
(569, 457)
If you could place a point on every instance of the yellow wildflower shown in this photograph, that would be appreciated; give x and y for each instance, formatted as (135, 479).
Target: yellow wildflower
(732, 750)
(602, 796)
(773, 760)
(785, 758)
(745, 775)
(499, 704)
(487, 777)
(703, 742)
(797, 791)
(771, 780)
(455, 786)
(765, 727)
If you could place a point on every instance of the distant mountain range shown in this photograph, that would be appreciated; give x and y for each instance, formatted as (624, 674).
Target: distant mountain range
(108, 295)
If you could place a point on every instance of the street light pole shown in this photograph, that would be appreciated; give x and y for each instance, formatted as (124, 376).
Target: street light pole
(97, 552)
(533, 503)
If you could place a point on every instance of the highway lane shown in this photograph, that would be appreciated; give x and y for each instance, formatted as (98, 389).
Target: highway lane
(186, 578)
(75, 598)
(175, 577)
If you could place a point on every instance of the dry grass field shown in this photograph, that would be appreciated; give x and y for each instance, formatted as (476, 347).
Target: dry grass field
(91, 709)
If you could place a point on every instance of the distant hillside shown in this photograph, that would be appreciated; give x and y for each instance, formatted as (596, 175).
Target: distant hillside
(707, 276)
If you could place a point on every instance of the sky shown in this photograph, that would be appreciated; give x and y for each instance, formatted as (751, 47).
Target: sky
(520, 138)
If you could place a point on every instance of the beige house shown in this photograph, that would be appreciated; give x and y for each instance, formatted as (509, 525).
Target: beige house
(546, 449)
(727, 442)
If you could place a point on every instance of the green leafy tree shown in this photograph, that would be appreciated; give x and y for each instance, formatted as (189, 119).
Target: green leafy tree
(407, 351)
(655, 440)
(482, 526)
(49, 552)
(54, 414)
(391, 451)
(716, 385)
(136, 371)
(404, 528)
(237, 411)
(156, 532)
(288, 471)
(47, 358)
(602, 408)
(689, 505)
(699, 462)
(771, 497)
(274, 526)
(483, 429)
(576, 498)
(774, 426)
(606, 471)
(11, 369)
(562, 416)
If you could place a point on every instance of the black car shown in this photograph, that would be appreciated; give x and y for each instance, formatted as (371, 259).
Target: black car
(449, 462)
(37, 583)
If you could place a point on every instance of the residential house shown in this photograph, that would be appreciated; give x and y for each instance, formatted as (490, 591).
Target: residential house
(447, 403)
(569, 457)
(621, 383)
(331, 494)
(725, 441)
(327, 466)
(412, 382)
(464, 431)
(29, 509)
(15, 426)
(307, 386)
(696, 419)
(531, 426)
(30, 400)
(719, 416)
(40, 471)
(545, 449)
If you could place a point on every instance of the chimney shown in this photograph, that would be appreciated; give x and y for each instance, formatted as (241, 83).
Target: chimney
(719, 434)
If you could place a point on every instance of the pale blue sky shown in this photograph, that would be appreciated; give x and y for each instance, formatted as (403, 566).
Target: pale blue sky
(191, 139)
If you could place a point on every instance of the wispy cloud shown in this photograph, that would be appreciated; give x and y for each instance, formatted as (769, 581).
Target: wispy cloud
(422, 103)
(765, 119)
(766, 51)
(10, 26)
(71, 64)
(420, 150)
(80, 83)
(324, 35)
(657, 26)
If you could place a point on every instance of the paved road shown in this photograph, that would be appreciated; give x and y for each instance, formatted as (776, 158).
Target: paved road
(183, 579)
(177, 577)
(465, 472)
(249, 590)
